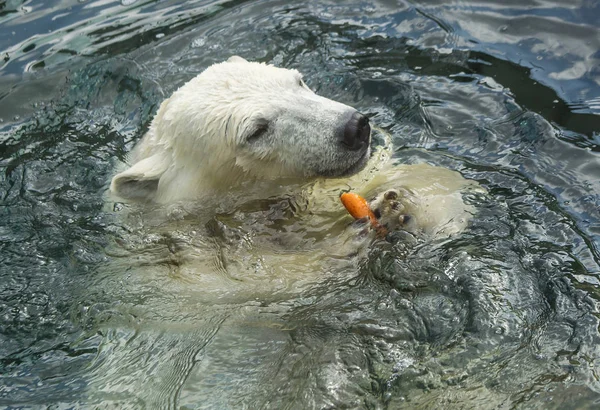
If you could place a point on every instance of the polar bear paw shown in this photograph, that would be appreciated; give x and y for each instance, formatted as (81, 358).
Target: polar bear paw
(390, 210)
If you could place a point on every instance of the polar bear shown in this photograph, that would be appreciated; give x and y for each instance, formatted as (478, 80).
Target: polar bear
(244, 130)
(239, 121)
(233, 222)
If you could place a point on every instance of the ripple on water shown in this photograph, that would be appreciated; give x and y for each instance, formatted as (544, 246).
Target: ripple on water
(503, 314)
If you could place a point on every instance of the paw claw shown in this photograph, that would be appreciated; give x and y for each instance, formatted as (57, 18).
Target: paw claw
(390, 195)
(404, 219)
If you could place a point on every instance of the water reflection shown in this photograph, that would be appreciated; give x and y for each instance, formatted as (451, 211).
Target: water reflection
(503, 315)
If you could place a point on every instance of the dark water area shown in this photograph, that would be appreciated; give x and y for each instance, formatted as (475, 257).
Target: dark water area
(504, 315)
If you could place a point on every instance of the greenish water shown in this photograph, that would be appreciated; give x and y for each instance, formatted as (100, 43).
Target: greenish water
(504, 315)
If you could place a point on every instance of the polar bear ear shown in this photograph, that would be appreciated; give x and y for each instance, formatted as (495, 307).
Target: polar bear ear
(140, 182)
(236, 59)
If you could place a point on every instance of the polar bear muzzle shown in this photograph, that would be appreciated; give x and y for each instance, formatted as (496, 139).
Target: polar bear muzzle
(356, 132)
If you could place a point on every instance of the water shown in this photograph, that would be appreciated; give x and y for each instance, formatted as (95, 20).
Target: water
(503, 315)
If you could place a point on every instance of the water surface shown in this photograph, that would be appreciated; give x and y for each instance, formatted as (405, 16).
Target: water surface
(504, 315)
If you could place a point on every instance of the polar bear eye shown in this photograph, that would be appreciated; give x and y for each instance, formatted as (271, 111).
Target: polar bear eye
(259, 130)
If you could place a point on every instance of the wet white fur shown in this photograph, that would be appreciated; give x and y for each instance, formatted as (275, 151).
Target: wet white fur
(199, 141)
(197, 149)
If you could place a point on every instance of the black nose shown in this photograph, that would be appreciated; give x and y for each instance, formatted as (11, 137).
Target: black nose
(356, 133)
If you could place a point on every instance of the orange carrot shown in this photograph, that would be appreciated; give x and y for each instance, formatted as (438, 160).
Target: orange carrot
(359, 208)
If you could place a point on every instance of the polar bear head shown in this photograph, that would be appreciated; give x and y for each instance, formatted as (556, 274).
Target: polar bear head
(240, 121)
